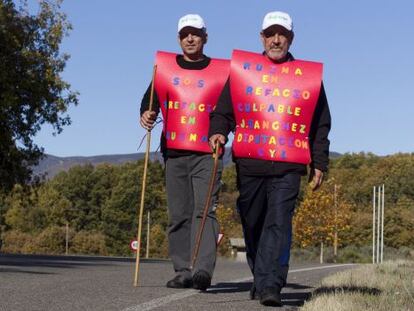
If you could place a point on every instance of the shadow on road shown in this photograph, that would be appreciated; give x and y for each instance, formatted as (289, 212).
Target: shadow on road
(20, 263)
(12, 270)
(347, 289)
(228, 287)
(29, 261)
(293, 294)
(59, 261)
(297, 286)
(296, 299)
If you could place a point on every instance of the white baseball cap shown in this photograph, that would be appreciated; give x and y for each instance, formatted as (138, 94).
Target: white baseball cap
(277, 18)
(191, 20)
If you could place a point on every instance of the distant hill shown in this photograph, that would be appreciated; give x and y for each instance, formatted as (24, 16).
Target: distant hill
(334, 155)
(51, 165)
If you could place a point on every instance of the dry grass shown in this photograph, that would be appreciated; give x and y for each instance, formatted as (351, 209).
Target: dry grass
(385, 287)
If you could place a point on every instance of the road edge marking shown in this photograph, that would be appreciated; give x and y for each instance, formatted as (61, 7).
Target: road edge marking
(159, 302)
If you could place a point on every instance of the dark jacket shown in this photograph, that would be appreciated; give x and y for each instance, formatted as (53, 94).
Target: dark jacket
(156, 105)
(222, 121)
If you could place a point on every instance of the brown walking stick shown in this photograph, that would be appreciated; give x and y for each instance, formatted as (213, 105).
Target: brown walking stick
(144, 181)
(206, 206)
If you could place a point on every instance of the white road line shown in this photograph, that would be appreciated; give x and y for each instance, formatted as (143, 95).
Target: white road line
(324, 267)
(156, 303)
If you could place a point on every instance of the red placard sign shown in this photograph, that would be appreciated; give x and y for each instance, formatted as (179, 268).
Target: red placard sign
(273, 106)
(187, 97)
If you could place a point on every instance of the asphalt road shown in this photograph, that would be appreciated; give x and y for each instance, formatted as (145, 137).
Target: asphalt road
(87, 283)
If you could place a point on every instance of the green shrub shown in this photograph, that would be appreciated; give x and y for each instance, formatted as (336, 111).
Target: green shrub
(89, 243)
(158, 243)
(49, 241)
(14, 241)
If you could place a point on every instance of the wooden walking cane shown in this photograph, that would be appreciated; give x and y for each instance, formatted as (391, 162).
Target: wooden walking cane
(144, 181)
(206, 206)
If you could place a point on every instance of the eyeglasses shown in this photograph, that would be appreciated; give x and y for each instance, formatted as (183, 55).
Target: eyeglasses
(268, 33)
(184, 34)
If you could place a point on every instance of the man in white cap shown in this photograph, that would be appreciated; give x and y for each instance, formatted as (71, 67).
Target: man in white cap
(187, 87)
(279, 111)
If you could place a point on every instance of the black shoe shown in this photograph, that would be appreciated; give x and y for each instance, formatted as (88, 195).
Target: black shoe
(179, 282)
(201, 280)
(270, 296)
(253, 294)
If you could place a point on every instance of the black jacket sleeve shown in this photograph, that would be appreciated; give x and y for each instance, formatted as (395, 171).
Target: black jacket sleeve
(145, 102)
(318, 136)
(222, 119)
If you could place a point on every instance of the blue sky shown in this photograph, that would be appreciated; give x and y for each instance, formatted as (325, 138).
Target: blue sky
(366, 47)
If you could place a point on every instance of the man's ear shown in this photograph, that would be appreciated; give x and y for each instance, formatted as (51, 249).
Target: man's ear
(205, 38)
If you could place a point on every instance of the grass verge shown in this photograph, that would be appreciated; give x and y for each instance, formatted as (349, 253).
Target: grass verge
(384, 287)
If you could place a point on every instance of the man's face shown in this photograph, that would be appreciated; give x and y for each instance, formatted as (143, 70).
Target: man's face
(276, 42)
(192, 41)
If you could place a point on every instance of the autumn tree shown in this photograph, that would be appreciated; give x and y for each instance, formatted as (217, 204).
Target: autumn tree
(101, 205)
(32, 91)
(230, 225)
(399, 227)
(22, 212)
(76, 186)
(158, 247)
(119, 213)
(321, 216)
(89, 243)
(227, 216)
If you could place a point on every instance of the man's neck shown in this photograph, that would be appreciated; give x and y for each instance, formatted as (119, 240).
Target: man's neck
(193, 58)
(279, 61)
(287, 58)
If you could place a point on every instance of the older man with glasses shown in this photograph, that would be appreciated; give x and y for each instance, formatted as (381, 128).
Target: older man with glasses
(278, 109)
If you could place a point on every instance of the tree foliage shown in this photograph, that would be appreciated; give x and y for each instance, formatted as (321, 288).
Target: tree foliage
(100, 204)
(89, 243)
(230, 225)
(158, 246)
(32, 91)
(319, 217)
(358, 173)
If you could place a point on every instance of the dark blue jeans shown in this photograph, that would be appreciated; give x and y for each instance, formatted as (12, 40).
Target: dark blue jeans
(266, 205)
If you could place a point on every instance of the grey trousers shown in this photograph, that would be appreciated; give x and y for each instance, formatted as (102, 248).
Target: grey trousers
(187, 181)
